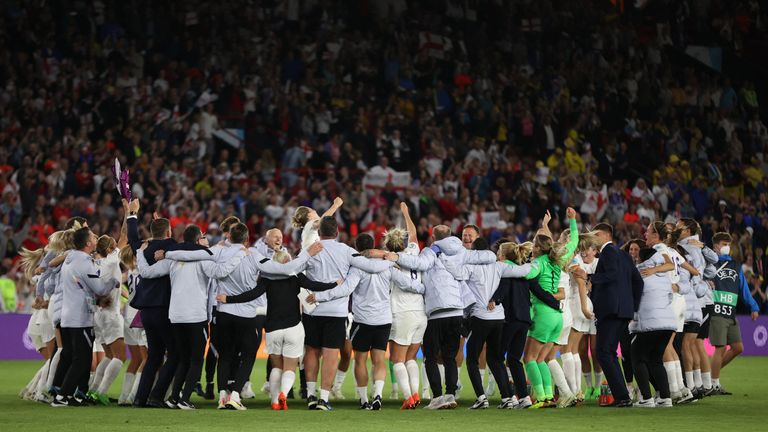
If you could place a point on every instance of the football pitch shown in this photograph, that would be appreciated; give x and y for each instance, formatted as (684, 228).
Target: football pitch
(742, 411)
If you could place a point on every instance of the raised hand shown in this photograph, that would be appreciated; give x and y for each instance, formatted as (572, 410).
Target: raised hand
(546, 219)
(570, 213)
(133, 206)
(338, 202)
(404, 207)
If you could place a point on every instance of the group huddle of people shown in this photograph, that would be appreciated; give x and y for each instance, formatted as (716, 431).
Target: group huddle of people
(510, 308)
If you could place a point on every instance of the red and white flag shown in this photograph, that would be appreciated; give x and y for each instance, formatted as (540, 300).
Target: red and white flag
(434, 44)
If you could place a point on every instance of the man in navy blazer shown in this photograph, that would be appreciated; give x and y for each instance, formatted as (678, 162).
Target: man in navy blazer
(616, 290)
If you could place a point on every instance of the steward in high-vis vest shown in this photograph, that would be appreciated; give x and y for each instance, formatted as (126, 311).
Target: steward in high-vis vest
(729, 285)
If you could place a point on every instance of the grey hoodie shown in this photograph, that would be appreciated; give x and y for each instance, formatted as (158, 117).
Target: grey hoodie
(371, 304)
(445, 290)
(80, 284)
(191, 294)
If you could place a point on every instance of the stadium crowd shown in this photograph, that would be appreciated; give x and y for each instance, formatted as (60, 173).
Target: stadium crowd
(498, 109)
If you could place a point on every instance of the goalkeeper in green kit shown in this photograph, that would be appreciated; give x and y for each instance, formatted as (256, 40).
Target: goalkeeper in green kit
(547, 323)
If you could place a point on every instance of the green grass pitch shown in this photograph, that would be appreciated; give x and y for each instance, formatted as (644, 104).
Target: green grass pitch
(745, 377)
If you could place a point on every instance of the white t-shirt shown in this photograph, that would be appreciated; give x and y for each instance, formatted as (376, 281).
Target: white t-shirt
(110, 268)
(403, 301)
(131, 282)
(309, 234)
(674, 275)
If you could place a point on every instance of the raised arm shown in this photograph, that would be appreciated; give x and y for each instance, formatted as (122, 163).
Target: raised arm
(573, 238)
(545, 225)
(156, 270)
(409, 225)
(132, 223)
(337, 203)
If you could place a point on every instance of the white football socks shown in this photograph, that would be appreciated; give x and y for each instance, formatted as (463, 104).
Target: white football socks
(362, 394)
(558, 378)
(324, 394)
(275, 376)
(671, 378)
(413, 376)
(338, 382)
(569, 369)
(286, 381)
(378, 388)
(135, 388)
(697, 378)
(127, 386)
(99, 373)
(577, 371)
(110, 375)
(52, 371)
(403, 381)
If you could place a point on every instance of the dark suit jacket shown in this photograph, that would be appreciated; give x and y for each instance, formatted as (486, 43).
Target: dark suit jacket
(154, 292)
(616, 284)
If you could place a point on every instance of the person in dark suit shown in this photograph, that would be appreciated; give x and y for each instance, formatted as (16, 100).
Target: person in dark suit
(152, 298)
(616, 290)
